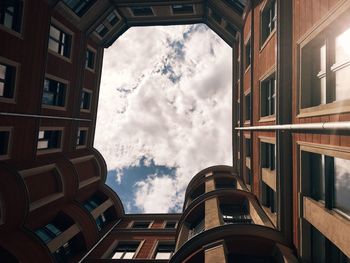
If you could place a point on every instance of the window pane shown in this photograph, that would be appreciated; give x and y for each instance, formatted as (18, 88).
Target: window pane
(54, 33)
(117, 255)
(8, 20)
(129, 255)
(43, 144)
(53, 45)
(342, 184)
(163, 255)
(342, 46)
(2, 71)
(342, 83)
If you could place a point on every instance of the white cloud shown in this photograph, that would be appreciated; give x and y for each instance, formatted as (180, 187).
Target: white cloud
(186, 124)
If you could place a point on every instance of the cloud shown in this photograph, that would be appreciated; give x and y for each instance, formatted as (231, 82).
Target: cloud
(165, 95)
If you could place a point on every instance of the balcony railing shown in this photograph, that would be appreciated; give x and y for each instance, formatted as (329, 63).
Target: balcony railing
(197, 229)
(237, 219)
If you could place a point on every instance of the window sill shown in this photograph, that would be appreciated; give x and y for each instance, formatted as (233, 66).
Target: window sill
(267, 41)
(12, 32)
(47, 151)
(325, 109)
(69, 60)
(51, 107)
(92, 70)
(267, 118)
(270, 215)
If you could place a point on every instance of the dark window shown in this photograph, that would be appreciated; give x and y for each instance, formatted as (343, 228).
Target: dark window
(125, 250)
(231, 29)
(142, 11)
(268, 97)
(101, 30)
(165, 251)
(269, 197)
(90, 59)
(4, 142)
(79, 7)
(235, 214)
(247, 107)
(49, 140)
(268, 20)
(182, 9)
(91, 204)
(170, 225)
(141, 224)
(197, 227)
(248, 54)
(268, 155)
(225, 182)
(11, 14)
(248, 176)
(85, 100)
(325, 68)
(59, 41)
(81, 138)
(54, 93)
(330, 180)
(216, 17)
(7, 80)
(107, 24)
(48, 232)
(323, 250)
(247, 147)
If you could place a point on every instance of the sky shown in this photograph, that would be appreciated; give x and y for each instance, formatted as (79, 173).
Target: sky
(164, 113)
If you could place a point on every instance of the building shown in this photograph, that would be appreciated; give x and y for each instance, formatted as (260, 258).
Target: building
(286, 197)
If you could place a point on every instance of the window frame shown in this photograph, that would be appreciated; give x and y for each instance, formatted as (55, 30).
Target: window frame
(9, 142)
(247, 117)
(50, 150)
(183, 13)
(119, 242)
(94, 51)
(267, 7)
(336, 20)
(104, 22)
(81, 100)
(75, 14)
(66, 93)
(162, 242)
(246, 43)
(17, 67)
(59, 26)
(271, 74)
(132, 224)
(131, 9)
(81, 146)
(18, 34)
(170, 221)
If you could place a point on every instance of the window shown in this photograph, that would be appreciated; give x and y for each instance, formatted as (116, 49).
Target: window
(268, 155)
(49, 139)
(197, 227)
(268, 20)
(48, 232)
(79, 7)
(11, 14)
(247, 107)
(231, 29)
(170, 224)
(82, 137)
(323, 250)
(142, 11)
(329, 180)
(59, 41)
(125, 250)
(4, 142)
(216, 17)
(90, 59)
(182, 9)
(145, 224)
(325, 68)
(269, 197)
(248, 54)
(164, 251)
(85, 100)
(91, 204)
(107, 24)
(235, 214)
(268, 97)
(54, 93)
(7, 81)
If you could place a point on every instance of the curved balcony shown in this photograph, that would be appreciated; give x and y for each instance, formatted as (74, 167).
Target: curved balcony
(235, 243)
(209, 179)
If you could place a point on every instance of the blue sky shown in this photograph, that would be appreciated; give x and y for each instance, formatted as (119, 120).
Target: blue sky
(164, 113)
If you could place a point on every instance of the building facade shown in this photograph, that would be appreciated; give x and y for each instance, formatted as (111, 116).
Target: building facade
(286, 197)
